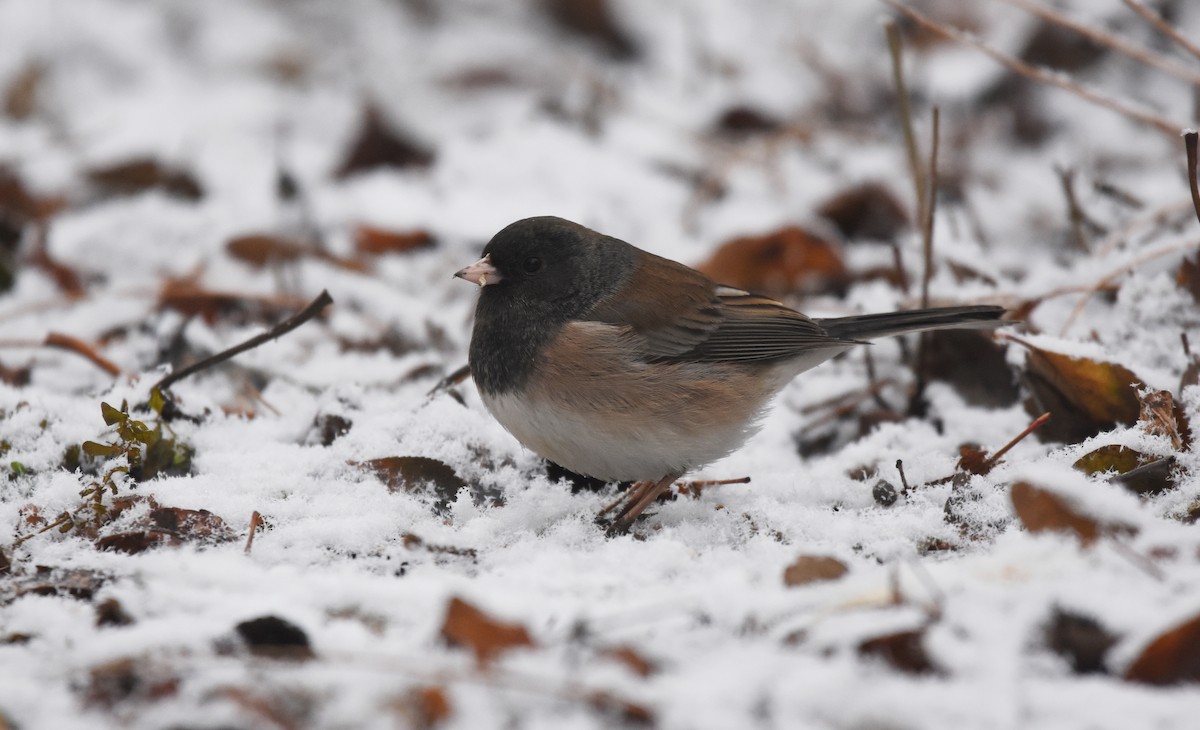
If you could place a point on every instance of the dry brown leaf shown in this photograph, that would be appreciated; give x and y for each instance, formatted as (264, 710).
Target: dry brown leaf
(412, 472)
(812, 569)
(1086, 396)
(260, 250)
(275, 638)
(633, 659)
(1188, 277)
(867, 211)
(1081, 640)
(903, 650)
(143, 174)
(424, 708)
(789, 260)
(376, 241)
(487, 637)
(21, 97)
(593, 19)
(378, 144)
(121, 680)
(171, 526)
(1158, 416)
(1172, 658)
(974, 364)
(740, 122)
(191, 299)
(1040, 510)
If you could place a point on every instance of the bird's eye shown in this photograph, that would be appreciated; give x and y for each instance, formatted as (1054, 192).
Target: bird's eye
(532, 265)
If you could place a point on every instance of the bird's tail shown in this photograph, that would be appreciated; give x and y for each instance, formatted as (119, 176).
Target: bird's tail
(871, 326)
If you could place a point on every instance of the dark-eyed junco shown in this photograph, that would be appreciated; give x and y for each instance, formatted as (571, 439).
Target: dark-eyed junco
(625, 366)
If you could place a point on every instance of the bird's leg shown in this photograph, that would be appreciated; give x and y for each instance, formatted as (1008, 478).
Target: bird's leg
(641, 499)
(629, 495)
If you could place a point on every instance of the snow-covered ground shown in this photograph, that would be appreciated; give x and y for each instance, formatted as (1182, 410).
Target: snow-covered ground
(949, 616)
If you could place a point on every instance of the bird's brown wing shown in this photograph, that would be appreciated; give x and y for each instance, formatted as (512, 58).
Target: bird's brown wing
(681, 315)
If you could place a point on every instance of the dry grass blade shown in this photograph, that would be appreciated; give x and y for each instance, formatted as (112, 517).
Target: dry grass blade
(930, 208)
(1135, 112)
(1162, 26)
(910, 138)
(1109, 40)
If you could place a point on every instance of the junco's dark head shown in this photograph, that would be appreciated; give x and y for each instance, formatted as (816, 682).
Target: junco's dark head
(549, 265)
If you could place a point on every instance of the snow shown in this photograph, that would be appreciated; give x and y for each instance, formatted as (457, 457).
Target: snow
(698, 589)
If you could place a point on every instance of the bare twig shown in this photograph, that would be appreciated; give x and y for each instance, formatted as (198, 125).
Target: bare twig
(994, 459)
(1115, 42)
(1124, 269)
(256, 521)
(910, 138)
(313, 309)
(79, 347)
(903, 479)
(1189, 143)
(1066, 177)
(1132, 111)
(930, 208)
(1162, 26)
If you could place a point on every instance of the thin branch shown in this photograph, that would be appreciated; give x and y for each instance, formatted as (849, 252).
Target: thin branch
(906, 122)
(1160, 23)
(1135, 112)
(1066, 177)
(1189, 143)
(930, 209)
(291, 323)
(79, 347)
(1109, 40)
(995, 458)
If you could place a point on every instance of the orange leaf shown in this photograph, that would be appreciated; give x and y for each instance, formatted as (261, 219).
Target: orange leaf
(778, 263)
(1086, 396)
(487, 637)
(1171, 658)
(372, 240)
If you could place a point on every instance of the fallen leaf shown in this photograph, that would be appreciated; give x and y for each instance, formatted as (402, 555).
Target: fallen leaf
(787, 261)
(110, 612)
(21, 97)
(378, 144)
(593, 19)
(1041, 510)
(974, 364)
(1081, 640)
(423, 708)
(129, 680)
(623, 712)
(1130, 469)
(169, 526)
(185, 296)
(412, 473)
(329, 427)
(261, 250)
(1188, 277)
(468, 627)
(141, 175)
(1157, 416)
(743, 121)
(633, 659)
(867, 211)
(812, 569)
(1086, 396)
(76, 583)
(377, 241)
(1173, 657)
(903, 650)
(275, 638)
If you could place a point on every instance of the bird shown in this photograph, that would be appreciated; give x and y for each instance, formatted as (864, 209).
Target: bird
(625, 366)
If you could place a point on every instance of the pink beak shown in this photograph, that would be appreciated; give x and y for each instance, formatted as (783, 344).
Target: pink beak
(481, 272)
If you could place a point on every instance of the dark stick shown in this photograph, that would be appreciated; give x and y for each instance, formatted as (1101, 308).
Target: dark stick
(903, 479)
(1189, 143)
(910, 139)
(930, 209)
(313, 309)
(1066, 178)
